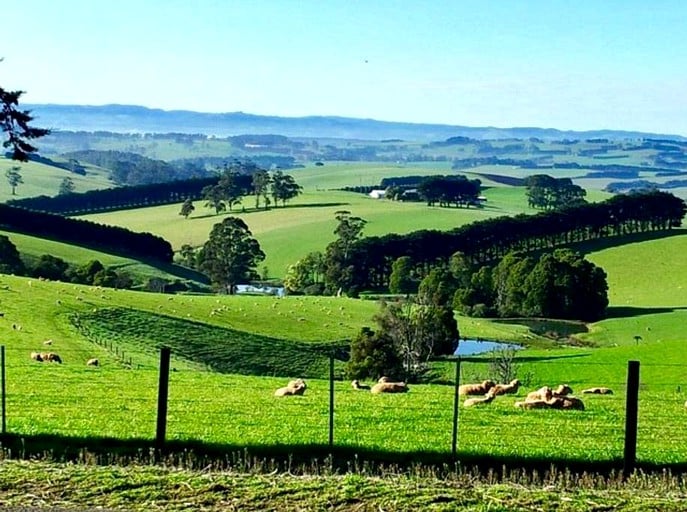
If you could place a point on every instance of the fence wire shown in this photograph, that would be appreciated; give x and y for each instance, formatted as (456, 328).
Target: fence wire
(104, 401)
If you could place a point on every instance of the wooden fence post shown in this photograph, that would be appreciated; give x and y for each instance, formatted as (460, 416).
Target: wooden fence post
(3, 389)
(331, 402)
(162, 396)
(631, 409)
(456, 400)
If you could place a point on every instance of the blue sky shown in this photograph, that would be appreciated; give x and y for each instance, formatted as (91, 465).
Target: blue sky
(562, 64)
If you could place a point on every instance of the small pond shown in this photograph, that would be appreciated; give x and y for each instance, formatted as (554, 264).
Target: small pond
(260, 290)
(473, 347)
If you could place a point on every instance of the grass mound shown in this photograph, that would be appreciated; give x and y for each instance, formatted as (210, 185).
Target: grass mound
(224, 350)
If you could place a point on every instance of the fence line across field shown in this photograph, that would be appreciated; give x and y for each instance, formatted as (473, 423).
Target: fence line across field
(436, 414)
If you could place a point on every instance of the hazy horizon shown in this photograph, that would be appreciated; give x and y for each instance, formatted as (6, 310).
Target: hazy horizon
(577, 66)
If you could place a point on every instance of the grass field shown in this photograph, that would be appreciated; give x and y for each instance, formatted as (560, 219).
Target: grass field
(255, 488)
(310, 219)
(40, 179)
(255, 344)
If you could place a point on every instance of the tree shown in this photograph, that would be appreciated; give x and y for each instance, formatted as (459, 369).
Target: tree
(187, 255)
(229, 188)
(85, 273)
(339, 268)
(10, 261)
(306, 275)
(261, 182)
(214, 198)
(187, 208)
(14, 178)
(15, 123)
(373, 355)
(284, 188)
(401, 278)
(418, 332)
(230, 255)
(110, 278)
(66, 187)
(50, 267)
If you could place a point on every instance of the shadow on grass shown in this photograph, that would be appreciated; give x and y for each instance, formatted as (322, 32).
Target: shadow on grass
(630, 312)
(294, 458)
(481, 358)
(617, 241)
(255, 210)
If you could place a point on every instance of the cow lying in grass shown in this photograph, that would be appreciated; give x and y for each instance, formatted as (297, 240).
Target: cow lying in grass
(295, 387)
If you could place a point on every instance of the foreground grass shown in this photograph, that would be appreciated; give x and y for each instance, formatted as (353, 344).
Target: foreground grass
(46, 485)
(234, 411)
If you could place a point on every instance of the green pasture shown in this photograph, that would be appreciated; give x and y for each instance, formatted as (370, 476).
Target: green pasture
(309, 219)
(32, 248)
(231, 353)
(40, 179)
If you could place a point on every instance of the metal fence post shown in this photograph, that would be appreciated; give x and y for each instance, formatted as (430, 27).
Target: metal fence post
(162, 396)
(331, 402)
(3, 390)
(456, 400)
(631, 410)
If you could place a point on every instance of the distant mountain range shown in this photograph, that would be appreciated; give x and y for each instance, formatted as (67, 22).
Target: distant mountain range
(137, 119)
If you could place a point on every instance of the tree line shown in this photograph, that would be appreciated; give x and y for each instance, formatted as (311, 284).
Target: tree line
(50, 267)
(112, 239)
(548, 193)
(366, 262)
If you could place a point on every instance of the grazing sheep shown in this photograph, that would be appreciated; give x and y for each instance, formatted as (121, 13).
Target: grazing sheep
(47, 342)
(36, 357)
(51, 357)
(502, 389)
(597, 391)
(93, 362)
(294, 387)
(389, 387)
(476, 389)
(357, 385)
(486, 399)
(544, 394)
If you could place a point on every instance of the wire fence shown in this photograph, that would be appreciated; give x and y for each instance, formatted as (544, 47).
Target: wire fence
(644, 419)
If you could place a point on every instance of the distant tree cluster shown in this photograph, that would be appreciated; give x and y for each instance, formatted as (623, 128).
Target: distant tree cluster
(548, 193)
(559, 284)
(409, 333)
(366, 264)
(69, 203)
(234, 183)
(229, 257)
(132, 169)
(114, 239)
(449, 190)
(53, 268)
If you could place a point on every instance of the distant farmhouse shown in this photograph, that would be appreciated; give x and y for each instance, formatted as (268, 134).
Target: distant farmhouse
(377, 194)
